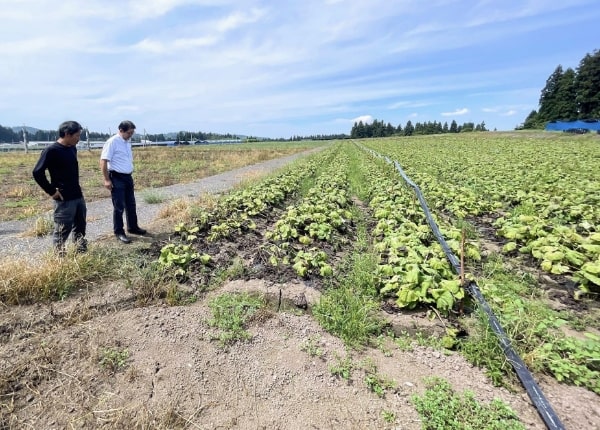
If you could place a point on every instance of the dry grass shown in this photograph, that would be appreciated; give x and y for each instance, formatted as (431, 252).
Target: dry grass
(24, 282)
(154, 167)
(20, 192)
(178, 210)
(43, 226)
(52, 277)
(184, 209)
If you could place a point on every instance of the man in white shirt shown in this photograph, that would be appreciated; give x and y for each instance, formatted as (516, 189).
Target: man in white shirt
(116, 163)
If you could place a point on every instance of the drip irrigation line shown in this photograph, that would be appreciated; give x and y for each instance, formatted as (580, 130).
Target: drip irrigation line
(534, 392)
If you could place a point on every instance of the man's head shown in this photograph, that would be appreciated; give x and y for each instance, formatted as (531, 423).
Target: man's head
(69, 133)
(126, 129)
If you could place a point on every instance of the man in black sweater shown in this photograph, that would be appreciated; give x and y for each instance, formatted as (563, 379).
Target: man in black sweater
(60, 159)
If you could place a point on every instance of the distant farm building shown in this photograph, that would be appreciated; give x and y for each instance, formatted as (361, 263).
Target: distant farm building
(579, 126)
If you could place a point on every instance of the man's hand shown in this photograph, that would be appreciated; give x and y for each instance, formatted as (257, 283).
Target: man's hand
(57, 195)
(108, 184)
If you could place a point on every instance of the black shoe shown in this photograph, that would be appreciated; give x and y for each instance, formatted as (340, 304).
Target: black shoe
(139, 231)
(123, 238)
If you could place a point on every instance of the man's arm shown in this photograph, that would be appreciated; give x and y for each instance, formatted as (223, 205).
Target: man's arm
(104, 169)
(39, 174)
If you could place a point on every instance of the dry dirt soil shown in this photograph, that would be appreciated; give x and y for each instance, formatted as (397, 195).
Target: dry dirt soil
(175, 375)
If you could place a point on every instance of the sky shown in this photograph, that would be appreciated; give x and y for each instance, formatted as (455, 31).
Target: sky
(283, 68)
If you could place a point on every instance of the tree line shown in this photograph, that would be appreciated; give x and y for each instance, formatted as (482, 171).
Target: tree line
(8, 135)
(379, 129)
(569, 94)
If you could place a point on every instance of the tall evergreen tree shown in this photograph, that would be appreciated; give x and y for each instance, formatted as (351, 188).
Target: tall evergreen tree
(587, 84)
(453, 127)
(389, 130)
(566, 101)
(409, 129)
(532, 121)
(548, 98)
(7, 135)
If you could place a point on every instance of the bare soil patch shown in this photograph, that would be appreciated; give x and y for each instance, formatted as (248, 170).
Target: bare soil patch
(177, 376)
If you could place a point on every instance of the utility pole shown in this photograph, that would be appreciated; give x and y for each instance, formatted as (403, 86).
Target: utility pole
(87, 137)
(25, 146)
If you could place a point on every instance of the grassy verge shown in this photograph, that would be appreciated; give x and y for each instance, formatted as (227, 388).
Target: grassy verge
(53, 278)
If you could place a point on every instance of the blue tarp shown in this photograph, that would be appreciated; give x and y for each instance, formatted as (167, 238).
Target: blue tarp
(588, 124)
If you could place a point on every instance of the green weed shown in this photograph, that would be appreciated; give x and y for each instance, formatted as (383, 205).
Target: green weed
(388, 416)
(311, 347)
(350, 310)
(231, 313)
(342, 368)
(442, 408)
(375, 382)
(114, 359)
(152, 196)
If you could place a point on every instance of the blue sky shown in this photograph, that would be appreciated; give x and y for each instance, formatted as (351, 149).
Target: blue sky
(280, 68)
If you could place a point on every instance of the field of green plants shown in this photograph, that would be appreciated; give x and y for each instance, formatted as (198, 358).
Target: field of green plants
(523, 213)
(337, 241)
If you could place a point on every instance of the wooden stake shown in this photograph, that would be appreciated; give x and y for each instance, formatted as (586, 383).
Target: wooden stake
(462, 258)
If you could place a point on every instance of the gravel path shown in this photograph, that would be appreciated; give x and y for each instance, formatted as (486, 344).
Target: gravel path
(13, 242)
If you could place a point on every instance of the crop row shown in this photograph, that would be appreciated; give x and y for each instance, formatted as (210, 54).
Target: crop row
(234, 212)
(298, 237)
(412, 265)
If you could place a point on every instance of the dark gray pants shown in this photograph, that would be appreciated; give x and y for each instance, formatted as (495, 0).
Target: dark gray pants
(70, 216)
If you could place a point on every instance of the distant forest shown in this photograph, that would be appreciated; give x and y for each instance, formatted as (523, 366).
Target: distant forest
(569, 94)
(10, 135)
(379, 129)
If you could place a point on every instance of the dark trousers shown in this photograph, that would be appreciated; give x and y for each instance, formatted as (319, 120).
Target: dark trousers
(69, 216)
(123, 200)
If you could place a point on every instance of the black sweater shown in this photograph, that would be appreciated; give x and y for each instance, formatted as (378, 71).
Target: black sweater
(61, 163)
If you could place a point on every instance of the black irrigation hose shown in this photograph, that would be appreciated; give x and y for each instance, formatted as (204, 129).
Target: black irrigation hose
(533, 390)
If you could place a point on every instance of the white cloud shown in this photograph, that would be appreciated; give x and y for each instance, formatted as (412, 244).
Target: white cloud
(411, 104)
(366, 119)
(238, 19)
(457, 112)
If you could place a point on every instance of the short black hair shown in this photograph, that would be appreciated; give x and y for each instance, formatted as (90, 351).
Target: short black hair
(69, 128)
(126, 125)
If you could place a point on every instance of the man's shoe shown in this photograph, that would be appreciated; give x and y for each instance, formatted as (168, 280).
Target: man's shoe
(139, 231)
(123, 238)
(82, 246)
